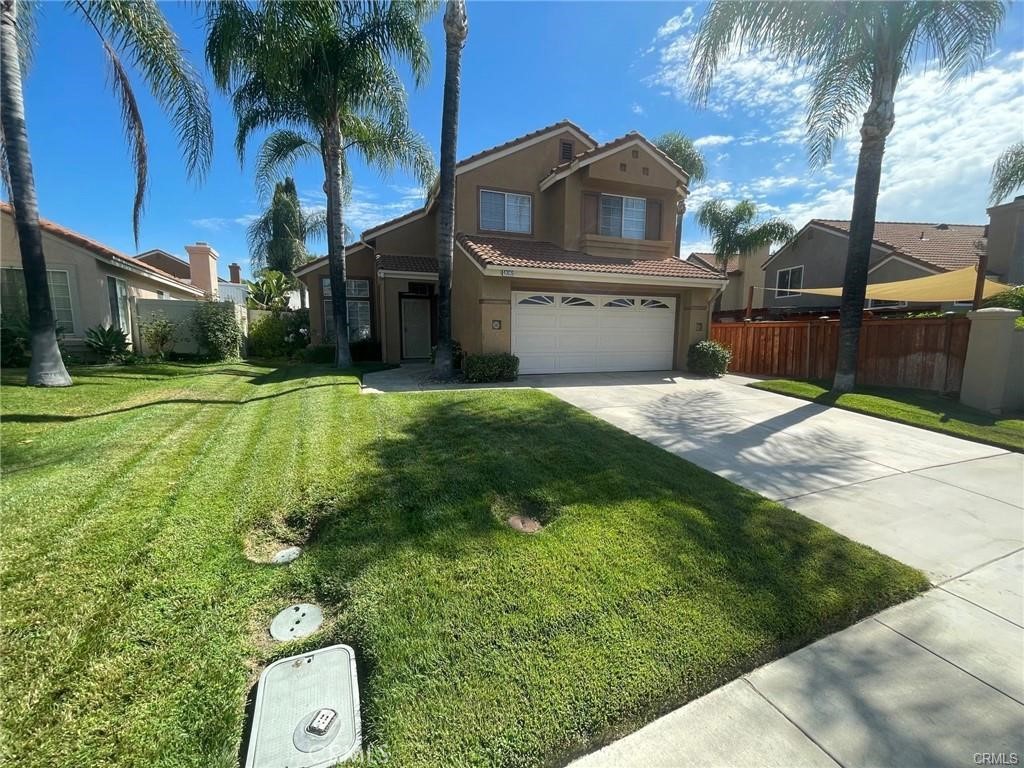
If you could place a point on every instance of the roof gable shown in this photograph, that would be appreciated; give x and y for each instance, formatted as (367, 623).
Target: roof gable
(631, 139)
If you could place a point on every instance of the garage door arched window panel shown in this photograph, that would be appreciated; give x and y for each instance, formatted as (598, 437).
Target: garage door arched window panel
(621, 303)
(576, 301)
(653, 304)
(538, 300)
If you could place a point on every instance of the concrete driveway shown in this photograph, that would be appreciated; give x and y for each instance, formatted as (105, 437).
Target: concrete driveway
(937, 681)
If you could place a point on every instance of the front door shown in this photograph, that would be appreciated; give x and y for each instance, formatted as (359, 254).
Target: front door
(415, 327)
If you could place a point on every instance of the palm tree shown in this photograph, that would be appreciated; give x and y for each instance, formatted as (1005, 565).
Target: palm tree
(685, 154)
(326, 71)
(736, 229)
(277, 239)
(456, 28)
(856, 53)
(135, 28)
(1007, 173)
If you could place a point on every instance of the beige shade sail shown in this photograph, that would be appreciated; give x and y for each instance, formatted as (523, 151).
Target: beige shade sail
(957, 285)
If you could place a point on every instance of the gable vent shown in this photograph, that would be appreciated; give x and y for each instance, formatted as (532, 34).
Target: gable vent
(565, 151)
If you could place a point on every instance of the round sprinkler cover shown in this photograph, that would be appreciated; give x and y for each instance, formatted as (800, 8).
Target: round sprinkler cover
(307, 711)
(284, 556)
(296, 621)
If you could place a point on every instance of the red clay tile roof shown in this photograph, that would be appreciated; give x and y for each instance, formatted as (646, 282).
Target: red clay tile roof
(506, 252)
(99, 248)
(944, 246)
(399, 263)
(624, 139)
(710, 261)
(527, 137)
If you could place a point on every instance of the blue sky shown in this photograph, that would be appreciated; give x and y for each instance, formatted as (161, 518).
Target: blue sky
(611, 67)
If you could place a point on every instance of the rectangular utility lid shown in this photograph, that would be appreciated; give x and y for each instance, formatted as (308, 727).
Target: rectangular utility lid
(307, 711)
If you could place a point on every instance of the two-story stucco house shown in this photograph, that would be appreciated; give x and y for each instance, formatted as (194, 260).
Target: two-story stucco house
(564, 256)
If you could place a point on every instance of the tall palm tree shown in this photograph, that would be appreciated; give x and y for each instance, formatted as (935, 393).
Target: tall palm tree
(685, 154)
(133, 28)
(325, 71)
(456, 28)
(1007, 173)
(857, 53)
(277, 239)
(736, 229)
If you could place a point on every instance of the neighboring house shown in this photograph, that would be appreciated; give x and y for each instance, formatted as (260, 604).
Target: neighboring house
(563, 256)
(816, 258)
(91, 284)
(233, 290)
(742, 270)
(1006, 242)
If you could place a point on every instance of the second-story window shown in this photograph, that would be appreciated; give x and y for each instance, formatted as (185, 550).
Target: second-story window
(623, 217)
(505, 211)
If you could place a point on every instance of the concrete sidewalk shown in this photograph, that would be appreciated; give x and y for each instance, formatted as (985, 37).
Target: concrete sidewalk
(937, 681)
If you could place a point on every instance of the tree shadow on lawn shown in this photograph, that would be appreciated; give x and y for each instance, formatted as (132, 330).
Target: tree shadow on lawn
(619, 506)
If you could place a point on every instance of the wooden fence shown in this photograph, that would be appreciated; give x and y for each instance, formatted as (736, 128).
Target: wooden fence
(924, 353)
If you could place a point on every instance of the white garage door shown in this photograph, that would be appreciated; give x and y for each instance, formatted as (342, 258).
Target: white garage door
(566, 332)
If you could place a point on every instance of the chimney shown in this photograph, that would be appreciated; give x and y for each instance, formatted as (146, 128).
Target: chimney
(236, 273)
(202, 261)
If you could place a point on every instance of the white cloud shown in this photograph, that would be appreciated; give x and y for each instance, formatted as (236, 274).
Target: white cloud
(368, 208)
(676, 23)
(220, 224)
(712, 141)
(637, 109)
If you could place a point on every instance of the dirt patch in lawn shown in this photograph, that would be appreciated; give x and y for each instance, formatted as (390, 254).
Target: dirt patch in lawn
(526, 514)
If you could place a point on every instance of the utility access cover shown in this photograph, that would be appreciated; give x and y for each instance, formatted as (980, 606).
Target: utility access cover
(296, 621)
(307, 711)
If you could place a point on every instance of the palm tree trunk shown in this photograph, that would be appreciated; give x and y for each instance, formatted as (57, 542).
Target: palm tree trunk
(877, 125)
(334, 187)
(455, 36)
(46, 368)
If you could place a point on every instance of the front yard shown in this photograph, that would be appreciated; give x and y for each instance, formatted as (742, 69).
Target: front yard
(134, 625)
(917, 408)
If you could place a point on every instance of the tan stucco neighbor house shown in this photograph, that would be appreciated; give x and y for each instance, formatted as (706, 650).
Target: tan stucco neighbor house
(563, 257)
(92, 284)
(816, 258)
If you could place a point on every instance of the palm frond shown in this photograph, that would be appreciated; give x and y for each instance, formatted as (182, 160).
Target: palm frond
(765, 233)
(278, 154)
(683, 153)
(1007, 173)
(258, 236)
(960, 34)
(840, 91)
(391, 145)
(134, 133)
(139, 29)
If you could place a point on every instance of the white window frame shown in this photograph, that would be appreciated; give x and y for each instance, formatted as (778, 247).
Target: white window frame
(508, 197)
(884, 304)
(53, 304)
(622, 217)
(362, 293)
(781, 293)
(124, 323)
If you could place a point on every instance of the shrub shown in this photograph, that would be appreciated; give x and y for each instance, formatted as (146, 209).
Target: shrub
(109, 342)
(159, 333)
(491, 367)
(1010, 299)
(282, 334)
(457, 355)
(365, 351)
(321, 353)
(708, 358)
(217, 332)
(15, 346)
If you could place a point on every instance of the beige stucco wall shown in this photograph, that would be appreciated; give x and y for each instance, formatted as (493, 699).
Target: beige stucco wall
(390, 292)
(87, 278)
(359, 265)
(1006, 241)
(993, 377)
(749, 273)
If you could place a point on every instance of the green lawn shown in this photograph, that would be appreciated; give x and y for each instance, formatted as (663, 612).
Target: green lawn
(915, 407)
(133, 626)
